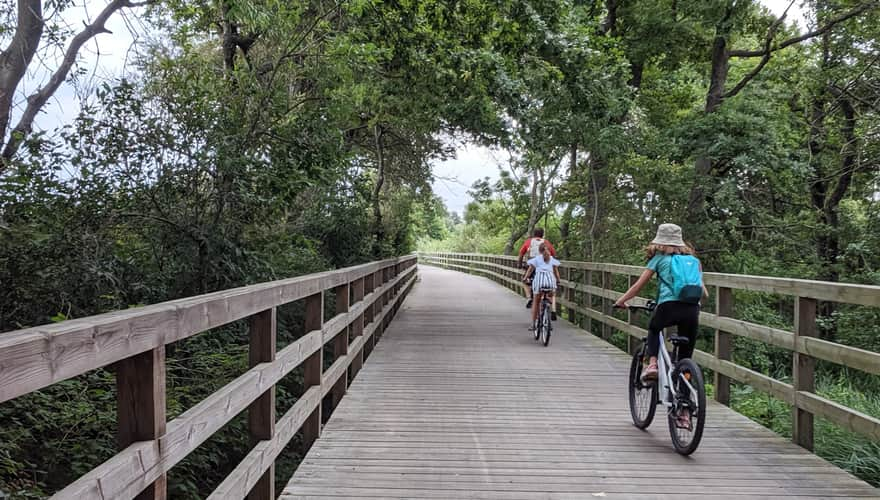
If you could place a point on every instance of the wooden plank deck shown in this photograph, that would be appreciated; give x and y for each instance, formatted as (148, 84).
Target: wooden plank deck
(458, 401)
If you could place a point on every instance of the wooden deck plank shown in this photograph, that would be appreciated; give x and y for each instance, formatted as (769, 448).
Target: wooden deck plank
(458, 401)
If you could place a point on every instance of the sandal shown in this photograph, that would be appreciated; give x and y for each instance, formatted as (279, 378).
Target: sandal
(683, 420)
(649, 374)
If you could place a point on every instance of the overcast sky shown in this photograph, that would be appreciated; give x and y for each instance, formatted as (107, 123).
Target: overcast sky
(111, 51)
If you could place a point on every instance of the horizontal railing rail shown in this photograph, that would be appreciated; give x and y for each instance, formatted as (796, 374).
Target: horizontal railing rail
(803, 343)
(133, 342)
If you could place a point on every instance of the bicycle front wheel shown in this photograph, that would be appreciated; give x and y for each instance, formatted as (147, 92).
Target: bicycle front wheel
(642, 398)
(537, 326)
(688, 414)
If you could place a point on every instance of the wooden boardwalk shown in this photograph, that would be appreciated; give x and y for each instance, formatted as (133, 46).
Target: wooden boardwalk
(458, 401)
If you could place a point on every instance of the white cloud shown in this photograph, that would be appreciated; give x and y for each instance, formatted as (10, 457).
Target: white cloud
(797, 13)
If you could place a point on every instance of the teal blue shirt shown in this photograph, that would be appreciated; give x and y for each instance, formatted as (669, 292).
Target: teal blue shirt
(660, 263)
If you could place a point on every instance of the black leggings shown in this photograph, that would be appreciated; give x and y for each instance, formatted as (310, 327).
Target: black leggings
(684, 315)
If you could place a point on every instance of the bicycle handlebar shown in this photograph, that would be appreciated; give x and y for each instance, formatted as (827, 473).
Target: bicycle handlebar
(649, 307)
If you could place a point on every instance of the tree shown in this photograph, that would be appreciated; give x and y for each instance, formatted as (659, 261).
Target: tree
(18, 58)
(706, 171)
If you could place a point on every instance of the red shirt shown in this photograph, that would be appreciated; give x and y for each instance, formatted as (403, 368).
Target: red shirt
(528, 243)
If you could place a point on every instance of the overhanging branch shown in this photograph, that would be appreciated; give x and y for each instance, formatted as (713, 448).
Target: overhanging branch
(768, 40)
(806, 36)
(38, 99)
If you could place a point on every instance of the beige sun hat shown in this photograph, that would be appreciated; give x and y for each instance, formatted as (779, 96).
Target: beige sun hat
(669, 235)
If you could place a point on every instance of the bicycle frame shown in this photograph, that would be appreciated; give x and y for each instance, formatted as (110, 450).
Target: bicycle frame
(664, 373)
(664, 376)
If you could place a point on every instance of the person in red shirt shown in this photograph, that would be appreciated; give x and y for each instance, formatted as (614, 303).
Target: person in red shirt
(532, 246)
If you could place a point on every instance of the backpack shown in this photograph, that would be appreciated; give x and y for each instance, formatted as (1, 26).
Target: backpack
(534, 246)
(687, 279)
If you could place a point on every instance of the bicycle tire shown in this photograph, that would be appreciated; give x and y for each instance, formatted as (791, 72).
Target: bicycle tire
(537, 326)
(642, 415)
(546, 323)
(698, 418)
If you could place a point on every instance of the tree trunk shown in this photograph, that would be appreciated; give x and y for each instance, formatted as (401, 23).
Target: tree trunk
(515, 235)
(609, 25)
(825, 203)
(565, 225)
(696, 209)
(229, 33)
(565, 233)
(533, 204)
(637, 69)
(593, 215)
(819, 183)
(378, 229)
(38, 99)
(16, 58)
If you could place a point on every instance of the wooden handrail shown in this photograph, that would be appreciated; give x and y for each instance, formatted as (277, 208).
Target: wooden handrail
(805, 347)
(134, 341)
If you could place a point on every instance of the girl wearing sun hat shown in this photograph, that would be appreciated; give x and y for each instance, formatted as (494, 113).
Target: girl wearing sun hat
(678, 294)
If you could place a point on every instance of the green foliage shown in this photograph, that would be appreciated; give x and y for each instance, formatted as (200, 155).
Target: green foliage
(215, 169)
(262, 139)
(765, 180)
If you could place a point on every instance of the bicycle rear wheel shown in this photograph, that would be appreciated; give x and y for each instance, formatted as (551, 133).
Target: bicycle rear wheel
(642, 398)
(546, 324)
(689, 407)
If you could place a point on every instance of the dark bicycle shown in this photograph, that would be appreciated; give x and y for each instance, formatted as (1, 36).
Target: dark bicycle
(679, 387)
(545, 323)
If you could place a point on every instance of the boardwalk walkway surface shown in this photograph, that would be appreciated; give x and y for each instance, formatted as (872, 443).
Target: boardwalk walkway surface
(458, 401)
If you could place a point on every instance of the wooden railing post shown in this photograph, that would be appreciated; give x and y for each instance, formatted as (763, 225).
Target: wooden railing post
(378, 305)
(606, 304)
(313, 367)
(261, 413)
(803, 371)
(723, 343)
(561, 292)
(515, 273)
(369, 312)
(140, 407)
(395, 272)
(357, 327)
(588, 300)
(631, 342)
(383, 299)
(340, 343)
(386, 299)
(569, 295)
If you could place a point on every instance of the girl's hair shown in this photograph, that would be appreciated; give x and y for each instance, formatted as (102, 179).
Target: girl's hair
(652, 250)
(544, 251)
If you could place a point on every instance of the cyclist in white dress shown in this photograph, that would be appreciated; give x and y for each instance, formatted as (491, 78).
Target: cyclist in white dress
(544, 271)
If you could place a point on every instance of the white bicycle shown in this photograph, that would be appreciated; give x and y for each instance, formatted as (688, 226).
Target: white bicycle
(679, 387)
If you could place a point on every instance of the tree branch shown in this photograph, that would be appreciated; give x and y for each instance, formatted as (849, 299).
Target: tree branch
(806, 36)
(768, 40)
(16, 58)
(37, 100)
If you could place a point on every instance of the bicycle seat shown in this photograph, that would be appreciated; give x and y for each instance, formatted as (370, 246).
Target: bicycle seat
(545, 289)
(679, 340)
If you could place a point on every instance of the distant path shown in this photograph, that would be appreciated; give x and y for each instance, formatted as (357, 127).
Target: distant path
(458, 401)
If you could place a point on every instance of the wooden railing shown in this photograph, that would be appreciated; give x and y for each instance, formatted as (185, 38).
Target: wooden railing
(134, 341)
(580, 279)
